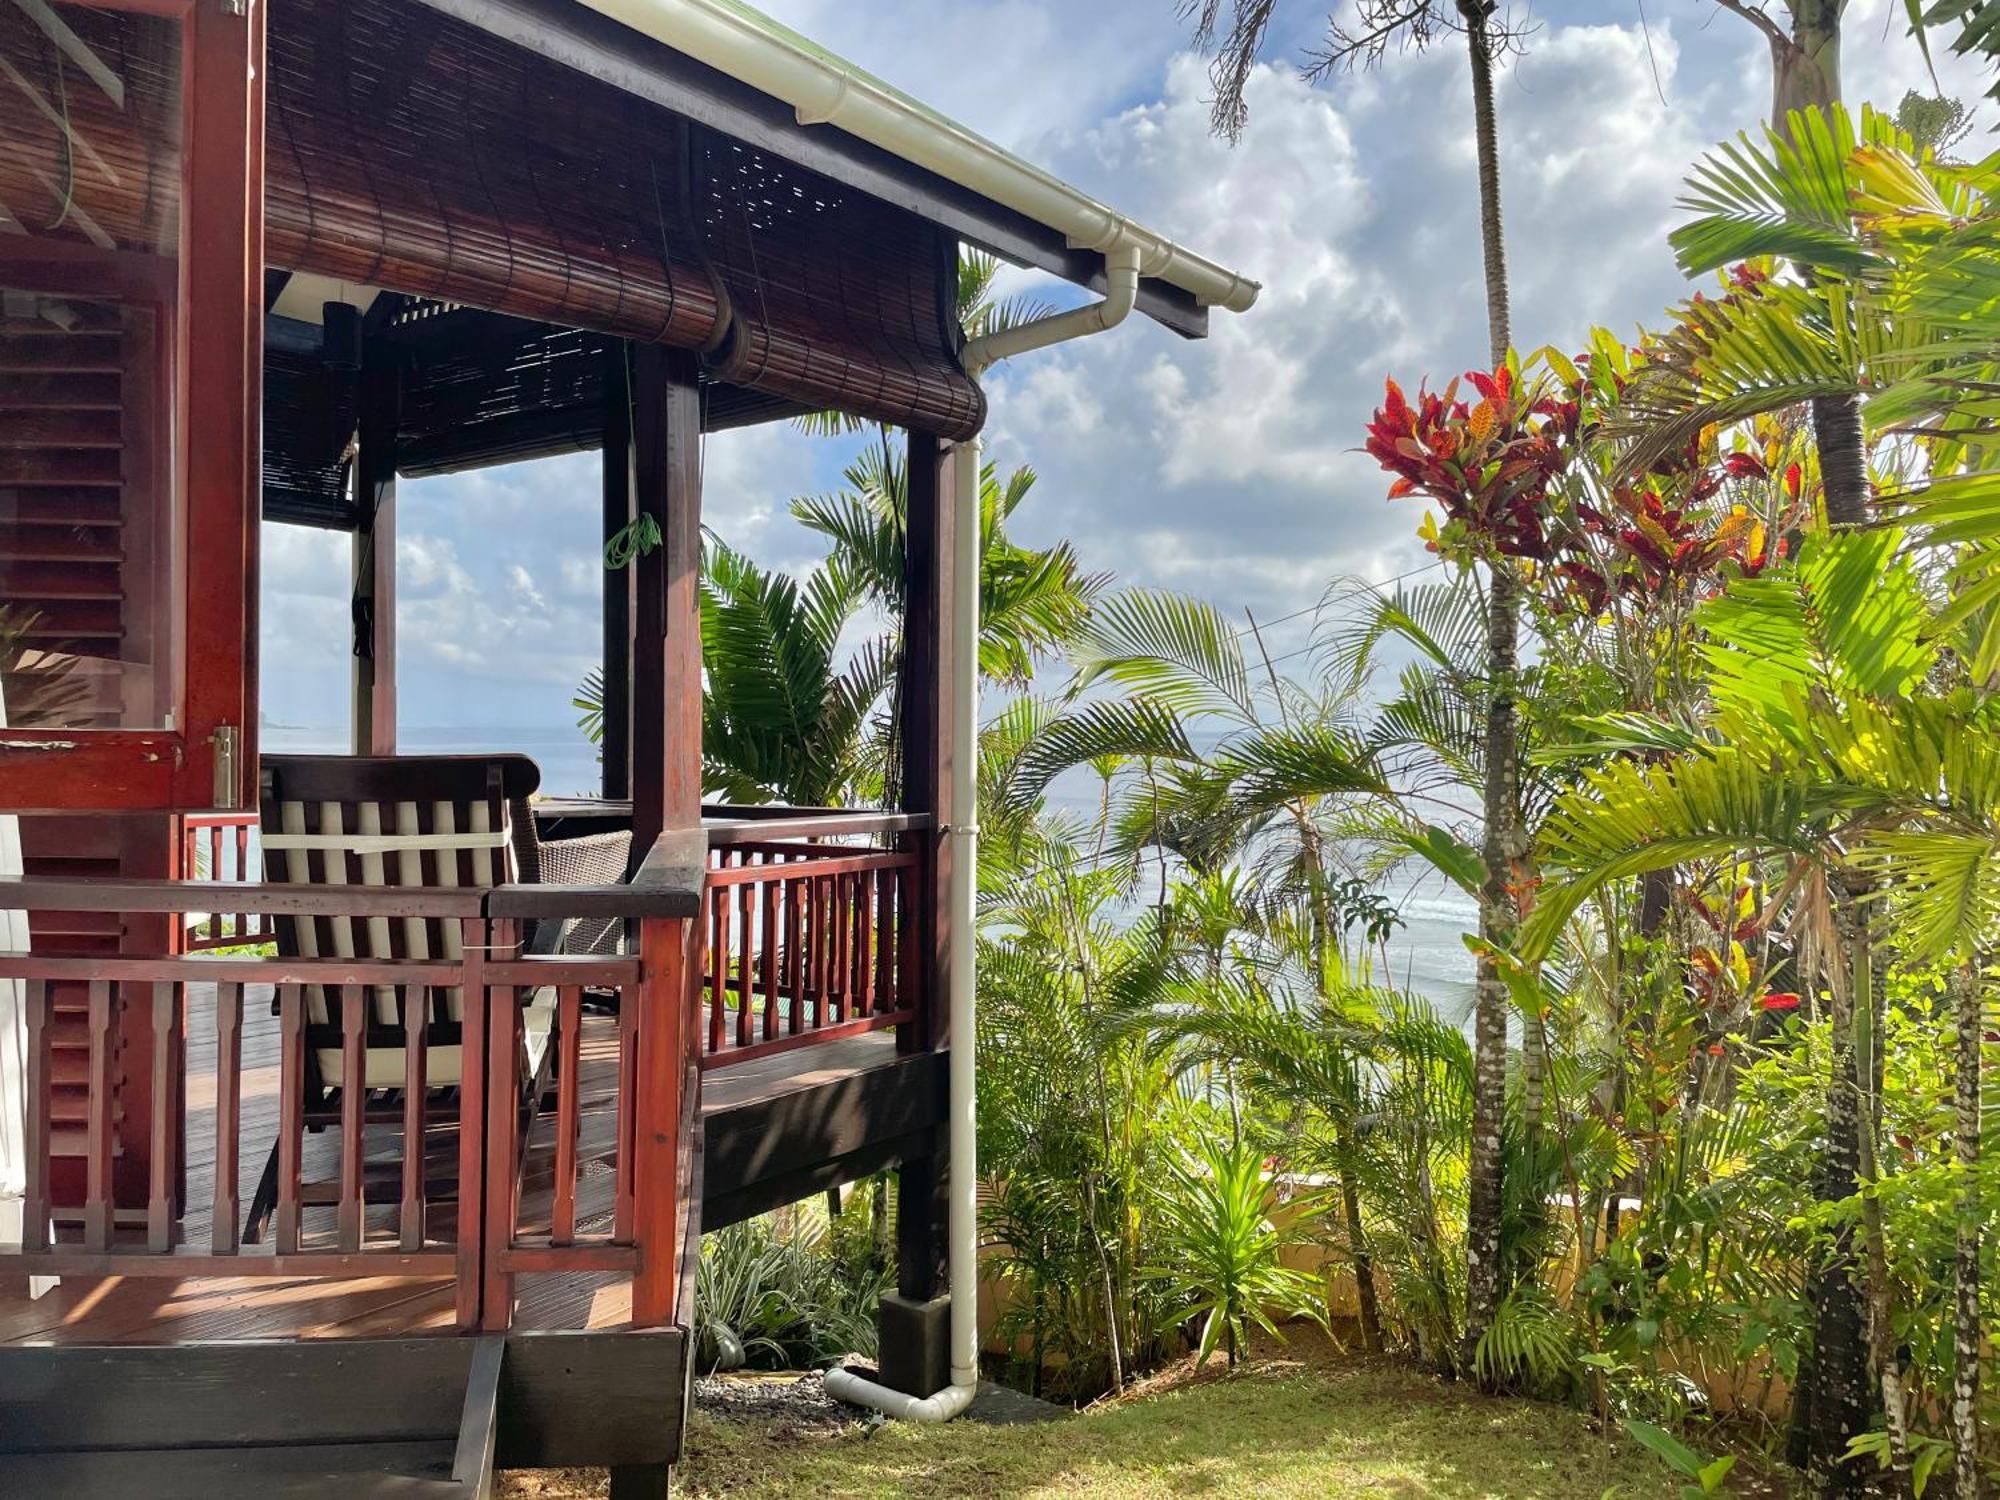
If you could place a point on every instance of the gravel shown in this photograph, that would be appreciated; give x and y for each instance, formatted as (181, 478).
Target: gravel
(797, 1400)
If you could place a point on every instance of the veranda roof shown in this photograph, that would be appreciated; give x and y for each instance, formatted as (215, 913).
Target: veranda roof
(535, 181)
(826, 89)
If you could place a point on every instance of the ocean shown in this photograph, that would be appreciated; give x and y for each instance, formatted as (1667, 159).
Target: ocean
(1426, 954)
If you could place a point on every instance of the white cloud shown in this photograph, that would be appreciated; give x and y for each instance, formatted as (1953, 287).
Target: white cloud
(525, 589)
(1226, 466)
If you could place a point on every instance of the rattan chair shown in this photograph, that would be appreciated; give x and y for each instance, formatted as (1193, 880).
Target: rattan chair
(588, 859)
(399, 821)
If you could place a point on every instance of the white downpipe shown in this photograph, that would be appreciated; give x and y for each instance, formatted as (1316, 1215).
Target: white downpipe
(734, 39)
(1121, 269)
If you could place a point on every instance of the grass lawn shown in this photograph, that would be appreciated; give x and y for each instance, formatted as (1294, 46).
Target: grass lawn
(1287, 1424)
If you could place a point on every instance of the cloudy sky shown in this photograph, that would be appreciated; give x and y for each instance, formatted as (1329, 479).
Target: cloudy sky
(1225, 467)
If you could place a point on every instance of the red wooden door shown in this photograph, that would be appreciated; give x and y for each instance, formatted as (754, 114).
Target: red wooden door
(130, 333)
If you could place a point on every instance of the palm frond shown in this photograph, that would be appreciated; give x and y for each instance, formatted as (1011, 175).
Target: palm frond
(1180, 653)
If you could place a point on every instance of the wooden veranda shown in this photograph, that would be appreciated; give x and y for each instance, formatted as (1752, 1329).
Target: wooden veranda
(259, 261)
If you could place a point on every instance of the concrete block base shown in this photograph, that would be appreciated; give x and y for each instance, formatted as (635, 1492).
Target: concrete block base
(916, 1344)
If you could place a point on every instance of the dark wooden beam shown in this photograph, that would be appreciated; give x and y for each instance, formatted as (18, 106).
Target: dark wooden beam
(616, 745)
(666, 600)
(767, 1152)
(374, 660)
(615, 54)
(924, 724)
(606, 1398)
(926, 748)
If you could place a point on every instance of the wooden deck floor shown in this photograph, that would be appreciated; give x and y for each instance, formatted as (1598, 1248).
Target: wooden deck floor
(154, 1309)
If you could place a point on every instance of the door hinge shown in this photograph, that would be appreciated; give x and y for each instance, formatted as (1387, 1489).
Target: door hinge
(228, 743)
(234, 7)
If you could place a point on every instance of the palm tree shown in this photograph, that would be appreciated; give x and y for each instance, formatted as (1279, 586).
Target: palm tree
(782, 716)
(1831, 747)
(1805, 76)
(1968, 1337)
(1978, 23)
(1070, 1089)
(1898, 310)
(1032, 602)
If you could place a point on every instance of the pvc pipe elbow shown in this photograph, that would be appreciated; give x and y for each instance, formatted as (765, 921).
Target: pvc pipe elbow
(844, 1385)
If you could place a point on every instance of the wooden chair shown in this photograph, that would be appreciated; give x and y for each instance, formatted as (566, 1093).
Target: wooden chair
(396, 822)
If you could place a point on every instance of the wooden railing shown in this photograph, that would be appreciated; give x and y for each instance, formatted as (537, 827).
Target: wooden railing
(810, 926)
(226, 1020)
(805, 943)
(216, 847)
(761, 934)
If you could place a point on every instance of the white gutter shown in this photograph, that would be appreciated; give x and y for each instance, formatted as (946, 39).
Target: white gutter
(734, 39)
(1121, 270)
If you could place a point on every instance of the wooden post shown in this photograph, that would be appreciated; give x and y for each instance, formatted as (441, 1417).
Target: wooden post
(666, 602)
(927, 758)
(666, 792)
(374, 667)
(617, 743)
(656, 1105)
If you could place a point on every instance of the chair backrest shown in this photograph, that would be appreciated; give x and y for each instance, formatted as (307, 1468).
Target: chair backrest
(393, 821)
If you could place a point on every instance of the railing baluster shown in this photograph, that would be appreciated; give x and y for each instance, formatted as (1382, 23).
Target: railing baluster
(744, 977)
(353, 1100)
(885, 939)
(471, 1125)
(718, 961)
(822, 950)
(416, 1046)
(910, 991)
(569, 1057)
(291, 1112)
(225, 1226)
(769, 888)
(794, 960)
(246, 926)
(35, 1201)
(163, 1148)
(503, 1139)
(864, 934)
(97, 1130)
(629, 1000)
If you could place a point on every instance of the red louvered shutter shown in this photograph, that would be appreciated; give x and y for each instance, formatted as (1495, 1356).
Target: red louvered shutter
(131, 263)
(130, 323)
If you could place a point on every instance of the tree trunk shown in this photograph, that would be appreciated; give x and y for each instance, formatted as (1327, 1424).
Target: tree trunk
(1357, 1250)
(1841, 1402)
(1968, 1343)
(1871, 981)
(1534, 1072)
(1503, 842)
(1486, 133)
(1843, 459)
(1115, 1346)
(1805, 74)
(1497, 922)
(1805, 70)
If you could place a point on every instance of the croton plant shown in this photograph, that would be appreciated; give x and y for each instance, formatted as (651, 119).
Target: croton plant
(1524, 466)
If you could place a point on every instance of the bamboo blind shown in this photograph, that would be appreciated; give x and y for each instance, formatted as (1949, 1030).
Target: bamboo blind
(420, 154)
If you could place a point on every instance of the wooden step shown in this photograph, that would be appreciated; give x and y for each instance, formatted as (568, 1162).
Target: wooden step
(319, 1471)
(415, 1418)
